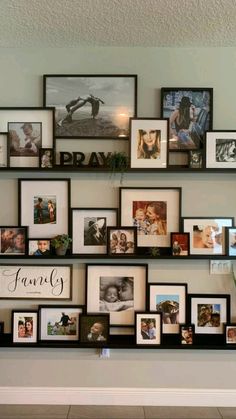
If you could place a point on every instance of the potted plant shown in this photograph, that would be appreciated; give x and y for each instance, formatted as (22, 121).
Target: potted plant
(61, 243)
(118, 162)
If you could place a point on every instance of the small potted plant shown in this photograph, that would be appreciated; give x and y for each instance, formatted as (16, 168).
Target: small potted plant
(118, 162)
(61, 243)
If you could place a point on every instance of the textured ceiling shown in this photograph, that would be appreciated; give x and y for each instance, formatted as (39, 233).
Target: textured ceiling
(72, 23)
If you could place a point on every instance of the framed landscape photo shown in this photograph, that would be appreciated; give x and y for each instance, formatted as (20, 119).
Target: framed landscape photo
(3, 150)
(89, 229)
(44, 206)
(119, 290)
(59, 323)
(148, 143)
(231, 241)
(148, 328)
(186, 334)
(207, 234)
(190, 112)
(39, 247)
(13, 241)
(154, 211)
(91, 106)
(170, 300)
(180, 244)
(46, 158)
(94, 329)
(221, 149)
(121, 241)
(24, 326)
(230, 333)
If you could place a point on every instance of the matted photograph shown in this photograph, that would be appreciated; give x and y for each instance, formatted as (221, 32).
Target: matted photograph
(59, 322)
(116, 289)
(39, 247)
(13, 241)
(195, 159)
(44, 206)
(94, 328)
(190, 112)
(89, 229)
(148, 143)
(91, 106)
(231, 241)
(24, 326)
(46, 158)
(121, 240)
(230, 333)
(221, 149)
(180, 244)
(170, 300)
(186, 334)
(207, 234)
(154, 211)
(3, 149)
(148, 328)
(25, 140)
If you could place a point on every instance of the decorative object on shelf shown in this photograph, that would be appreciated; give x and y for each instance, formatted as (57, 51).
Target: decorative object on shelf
(170, 300)
(121, 241)
(190, 112)
(186, 334)
(118, 162)
(207, 234)
(46, 158)
(116, 289)
(148, 328)
(24, 326)
(39, 247)
(180, 244)
(61, 243)
(79, 159)
(231, 241)
(3, 150)
(154, 251)
(230, 333)
(94, 329)
(195, 159)
(1, 328)
(59, 323)
(100, 106)
(13, 241)
(148, 143)
(221, 149)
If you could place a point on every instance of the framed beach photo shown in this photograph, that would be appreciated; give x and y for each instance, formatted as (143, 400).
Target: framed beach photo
(24, 326)
(190, 112)
(91, 106)
(154, 211)
(186, 334)
(148, 143)
(180, 244)
(46, 158)
(231, 241)
(3, 150)
(44, 206)
(116, 289)
(207, 234)
(148, 328)
(39, 247)
(94, 329)
(89, 229)
(13, 241)
(170, 300)
(230, 333)
(221, 149)
(121, 241)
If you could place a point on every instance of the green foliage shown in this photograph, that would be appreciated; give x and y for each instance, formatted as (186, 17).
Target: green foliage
(118, 162)
(61, 240)
(154, 251)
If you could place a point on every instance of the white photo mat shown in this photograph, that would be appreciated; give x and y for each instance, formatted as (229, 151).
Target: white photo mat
(17, 316)
(158, 327)
(53, 315)
(221, 156)
(195, 301)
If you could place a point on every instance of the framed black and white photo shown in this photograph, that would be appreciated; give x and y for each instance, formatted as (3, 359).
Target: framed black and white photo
(148, 328)
(13, 241)
(180, 244)
(94, 329)
(35, 282)
(231, 241)
(195, 159)
(154, 211)
(44, 206)
(230, 333)
(89, 229)
(221, 149)
(116, 289)
(59, 323)
(39, 247)
(170, 300)
(46, 158)
(91, 106)
(207, 234)
(3, 150)
(24, 326)
(121, 241)
(148, 143)
(190, 111)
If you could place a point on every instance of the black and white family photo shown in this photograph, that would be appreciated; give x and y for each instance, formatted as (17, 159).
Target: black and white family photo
(25, 138)
(121, 241)
(95, 231)
(116, 294)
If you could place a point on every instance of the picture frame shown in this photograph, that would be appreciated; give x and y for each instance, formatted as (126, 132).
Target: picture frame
(59, 323)
(39, 247)
(44, 206)
(121, 241)
(148, 143)
(13, 241)
(35, 282)
(207, 234)
(195, 159)
(220, 148)
(154, 211)
(3, 150)
(179, 244)
(171, 300)
(94, 329)
(46, 158)
(148, 329)
(24, 326)
(1, 328)
(187, 132)
(230, 333)
(187, 334)
(209, 312)
(25, 140)
(91, 106)
(117, 289)
(89, 229)
(231, 241)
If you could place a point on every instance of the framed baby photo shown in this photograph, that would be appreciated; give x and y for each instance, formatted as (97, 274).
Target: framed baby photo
(170, 300)
(39, 247)
(13, 241)
(3, 150)
(119, 290)
(121, 241)
(46, 158)
(148, 328)
(180, 244)
(24, 326)
(221, 149)
(59, 323)
(230, 333)
(94, 329)
(148, 143)
(207, 234)
(44, 206)
(89, 229)
(190, 112)
(186, 334)
(195, 159)
(154, 211)
(231, 241)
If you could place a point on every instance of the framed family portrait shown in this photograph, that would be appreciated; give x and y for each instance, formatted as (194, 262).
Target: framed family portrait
(230, 333)
(39, 247)
(148, 328)
(154, 211)
(180, 244)
(121, 241)
(94, 329)
(170, 300)
(207, 234)
(3, 150)
(91, 106)
(148, 143)
(13, 241)
(190, 112)
(24, 326)
(89, 229)
(44, 206)
(221, 149)
(119, 290)
(231, 241)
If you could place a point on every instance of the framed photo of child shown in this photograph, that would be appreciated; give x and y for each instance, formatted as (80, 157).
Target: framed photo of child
(148, 328)
(180, 244)
(121, 241)
(94, 329)
(230, 333)
(39, 247)
(46, 158)
(24, 326)
(186, 334)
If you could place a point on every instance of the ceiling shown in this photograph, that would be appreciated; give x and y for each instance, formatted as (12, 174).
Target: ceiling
(153, 23)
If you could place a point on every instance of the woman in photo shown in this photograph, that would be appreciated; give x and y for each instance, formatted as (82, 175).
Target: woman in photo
(148, 144)
(180, 123)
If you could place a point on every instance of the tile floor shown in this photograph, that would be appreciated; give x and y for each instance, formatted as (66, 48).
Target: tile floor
(114, 412)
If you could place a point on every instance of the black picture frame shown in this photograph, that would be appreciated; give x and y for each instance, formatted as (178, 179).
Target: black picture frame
(46, 158)
(121, 241)
(196, 159)
(187, 334)
(231, 241)
(230, 333)
(4, 150)
(13, 241)
(147, 337)
(39, 250)
(181, 248)
(100, 335)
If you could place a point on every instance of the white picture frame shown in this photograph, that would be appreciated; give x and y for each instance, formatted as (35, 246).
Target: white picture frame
(24, 326)
(221, 149)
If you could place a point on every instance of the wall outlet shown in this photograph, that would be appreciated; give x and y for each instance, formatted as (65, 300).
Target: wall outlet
(220, 267)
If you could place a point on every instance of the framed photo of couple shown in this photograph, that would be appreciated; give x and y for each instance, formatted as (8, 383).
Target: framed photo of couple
(148, 328)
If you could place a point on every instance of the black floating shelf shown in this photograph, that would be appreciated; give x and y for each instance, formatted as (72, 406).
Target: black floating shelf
(116, 258)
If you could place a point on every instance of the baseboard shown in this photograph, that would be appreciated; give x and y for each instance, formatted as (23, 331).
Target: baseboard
(117, 396)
